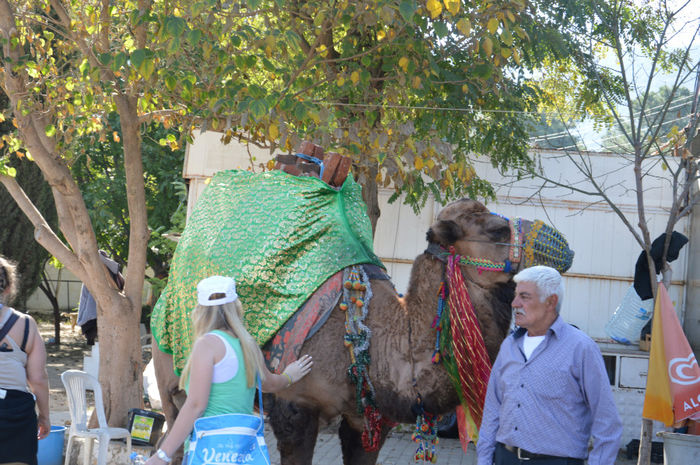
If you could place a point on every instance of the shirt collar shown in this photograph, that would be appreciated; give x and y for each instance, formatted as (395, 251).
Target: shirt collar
(556, 328)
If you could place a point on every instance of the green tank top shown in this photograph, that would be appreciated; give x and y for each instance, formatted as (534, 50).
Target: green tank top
(234, 395)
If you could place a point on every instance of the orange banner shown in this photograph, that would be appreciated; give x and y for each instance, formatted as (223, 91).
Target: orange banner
(673, 382)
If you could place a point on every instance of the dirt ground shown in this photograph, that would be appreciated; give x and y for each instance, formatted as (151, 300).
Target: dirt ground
(68, 355)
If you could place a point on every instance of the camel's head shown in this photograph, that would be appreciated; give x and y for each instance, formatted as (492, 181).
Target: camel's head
(489, 241)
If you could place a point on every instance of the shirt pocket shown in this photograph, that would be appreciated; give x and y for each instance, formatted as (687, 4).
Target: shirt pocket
(555, 384)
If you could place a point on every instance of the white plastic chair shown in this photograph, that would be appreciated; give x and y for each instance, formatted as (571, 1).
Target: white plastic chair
(77, 383)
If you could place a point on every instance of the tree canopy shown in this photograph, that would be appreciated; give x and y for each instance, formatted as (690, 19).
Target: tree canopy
(411, 90)
(99, 170)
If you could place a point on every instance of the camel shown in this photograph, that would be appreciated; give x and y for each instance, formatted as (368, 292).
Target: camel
(401, 347)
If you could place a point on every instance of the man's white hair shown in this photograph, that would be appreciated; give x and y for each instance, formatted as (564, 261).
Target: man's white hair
(548, 282)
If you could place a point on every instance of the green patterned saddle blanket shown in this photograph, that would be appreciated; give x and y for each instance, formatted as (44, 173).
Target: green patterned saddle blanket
(279, 236)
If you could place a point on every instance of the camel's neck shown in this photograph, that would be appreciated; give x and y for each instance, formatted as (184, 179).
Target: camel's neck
(421, 298)
(406, 340)
(403, 346)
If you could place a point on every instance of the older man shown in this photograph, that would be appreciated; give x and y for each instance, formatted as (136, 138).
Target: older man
(549, 391)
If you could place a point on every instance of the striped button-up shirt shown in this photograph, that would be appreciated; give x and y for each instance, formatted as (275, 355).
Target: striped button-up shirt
(553, 402)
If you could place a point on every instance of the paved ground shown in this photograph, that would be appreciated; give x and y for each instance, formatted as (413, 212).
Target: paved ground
(398, 450)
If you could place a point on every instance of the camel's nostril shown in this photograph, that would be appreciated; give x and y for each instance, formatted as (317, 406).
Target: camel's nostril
(430, 235)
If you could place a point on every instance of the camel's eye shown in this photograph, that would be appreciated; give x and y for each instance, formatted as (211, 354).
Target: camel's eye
(500, 233)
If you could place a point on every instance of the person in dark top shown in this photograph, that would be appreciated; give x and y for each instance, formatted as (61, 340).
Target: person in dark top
(87, 308)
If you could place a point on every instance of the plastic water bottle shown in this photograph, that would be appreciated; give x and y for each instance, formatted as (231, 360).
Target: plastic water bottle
(137, 459)
(629, 318)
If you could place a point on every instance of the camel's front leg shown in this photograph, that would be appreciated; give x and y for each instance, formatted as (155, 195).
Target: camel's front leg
(351, 444)
(296, 429)
(171, 397)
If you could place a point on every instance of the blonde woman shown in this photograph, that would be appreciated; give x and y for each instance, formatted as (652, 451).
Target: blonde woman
(220, 374)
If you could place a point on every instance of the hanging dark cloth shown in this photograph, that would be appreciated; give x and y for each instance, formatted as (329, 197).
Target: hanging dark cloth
(642, 283)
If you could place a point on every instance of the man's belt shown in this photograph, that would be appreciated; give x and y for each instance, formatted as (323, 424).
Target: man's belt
(522, 454)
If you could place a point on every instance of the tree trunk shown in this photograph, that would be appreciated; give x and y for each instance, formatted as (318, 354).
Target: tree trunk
(645, 439)
(120, 359)
(45, 287)
(370, 195)
(646, 435)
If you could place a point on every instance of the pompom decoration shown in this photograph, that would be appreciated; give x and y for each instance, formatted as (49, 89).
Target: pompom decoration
(426, 437)
(357, 336)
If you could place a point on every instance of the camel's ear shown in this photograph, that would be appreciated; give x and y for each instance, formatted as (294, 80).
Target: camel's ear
(444, 232)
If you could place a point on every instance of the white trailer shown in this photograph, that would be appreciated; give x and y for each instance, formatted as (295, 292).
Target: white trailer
(606, 252)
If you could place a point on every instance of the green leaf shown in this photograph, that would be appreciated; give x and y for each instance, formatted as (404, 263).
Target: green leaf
(173, 45)
(286, 104)
(143, 61)
(253, 4)
(84, 68)
(50, 130)
(104, 58)
(268, 65)
(7, 171)
(364, 77)
(194, 36)
(256, 92)
(483, 70)
(293, 39)
(147, 68)
(119, 61)
(175, 26)
(381, 157)
(137, 57)
(258, 108)
(441, 29)
(170, 82)
(300, 112)
(408, 8)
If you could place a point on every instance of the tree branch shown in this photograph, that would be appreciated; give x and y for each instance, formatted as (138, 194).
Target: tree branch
(43, 233)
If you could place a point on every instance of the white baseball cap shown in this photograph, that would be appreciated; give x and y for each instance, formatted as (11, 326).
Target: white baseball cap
(216, 285)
